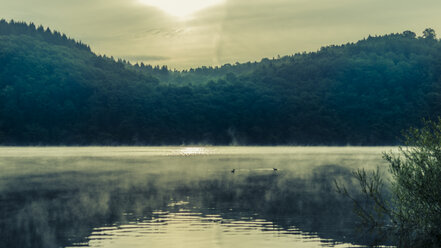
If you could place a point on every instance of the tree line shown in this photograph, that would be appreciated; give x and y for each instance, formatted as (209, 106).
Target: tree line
(55, 90)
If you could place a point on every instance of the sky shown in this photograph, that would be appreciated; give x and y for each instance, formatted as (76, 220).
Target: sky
(184, 34)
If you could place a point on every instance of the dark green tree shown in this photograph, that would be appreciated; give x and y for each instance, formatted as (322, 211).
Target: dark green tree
(429, 33)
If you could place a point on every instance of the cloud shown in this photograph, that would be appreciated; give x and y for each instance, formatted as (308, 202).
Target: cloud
(253, 29)
(238, 30)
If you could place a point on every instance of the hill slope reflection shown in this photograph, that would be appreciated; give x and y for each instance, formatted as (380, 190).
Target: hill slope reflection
(165, 201)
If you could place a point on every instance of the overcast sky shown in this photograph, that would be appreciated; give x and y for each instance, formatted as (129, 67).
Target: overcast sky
(225, 32)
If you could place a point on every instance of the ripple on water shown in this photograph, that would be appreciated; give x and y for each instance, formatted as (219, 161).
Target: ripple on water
(185, 228)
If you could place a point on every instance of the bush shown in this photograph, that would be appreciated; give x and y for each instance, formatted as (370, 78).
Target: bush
(411, 213)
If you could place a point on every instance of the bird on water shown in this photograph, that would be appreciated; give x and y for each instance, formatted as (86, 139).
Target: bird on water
(233, 170)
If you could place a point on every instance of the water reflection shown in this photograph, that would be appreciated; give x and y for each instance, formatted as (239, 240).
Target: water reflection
(186, 228)
(178, 201)
(188, 151)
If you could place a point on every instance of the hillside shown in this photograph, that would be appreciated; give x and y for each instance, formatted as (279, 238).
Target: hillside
(54, 90)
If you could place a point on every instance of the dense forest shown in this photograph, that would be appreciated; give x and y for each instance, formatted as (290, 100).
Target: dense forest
(56, 91)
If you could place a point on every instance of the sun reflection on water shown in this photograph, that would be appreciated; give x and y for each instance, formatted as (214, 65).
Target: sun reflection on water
(187, 228)
(189, 151)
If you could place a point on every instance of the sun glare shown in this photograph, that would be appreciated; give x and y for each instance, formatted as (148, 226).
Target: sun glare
(181, 8)
(188, 151)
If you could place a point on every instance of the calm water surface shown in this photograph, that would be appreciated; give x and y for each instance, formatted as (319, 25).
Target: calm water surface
(181, 196)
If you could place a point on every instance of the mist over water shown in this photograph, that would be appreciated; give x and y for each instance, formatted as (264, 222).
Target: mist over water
(181, 196)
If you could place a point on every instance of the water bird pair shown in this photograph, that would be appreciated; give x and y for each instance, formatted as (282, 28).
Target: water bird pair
(234, 170)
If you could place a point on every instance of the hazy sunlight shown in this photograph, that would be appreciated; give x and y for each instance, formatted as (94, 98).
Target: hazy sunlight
(186, 151)
(181, 8)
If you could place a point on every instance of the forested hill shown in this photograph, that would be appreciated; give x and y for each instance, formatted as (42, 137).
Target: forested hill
(55, 91)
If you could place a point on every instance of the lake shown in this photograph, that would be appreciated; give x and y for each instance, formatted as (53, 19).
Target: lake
(181, 196)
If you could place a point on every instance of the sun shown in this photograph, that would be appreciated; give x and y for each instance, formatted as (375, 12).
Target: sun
(181, 8)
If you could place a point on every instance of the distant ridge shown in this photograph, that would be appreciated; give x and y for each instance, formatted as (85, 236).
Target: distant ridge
(52, 37)
(56, 91)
